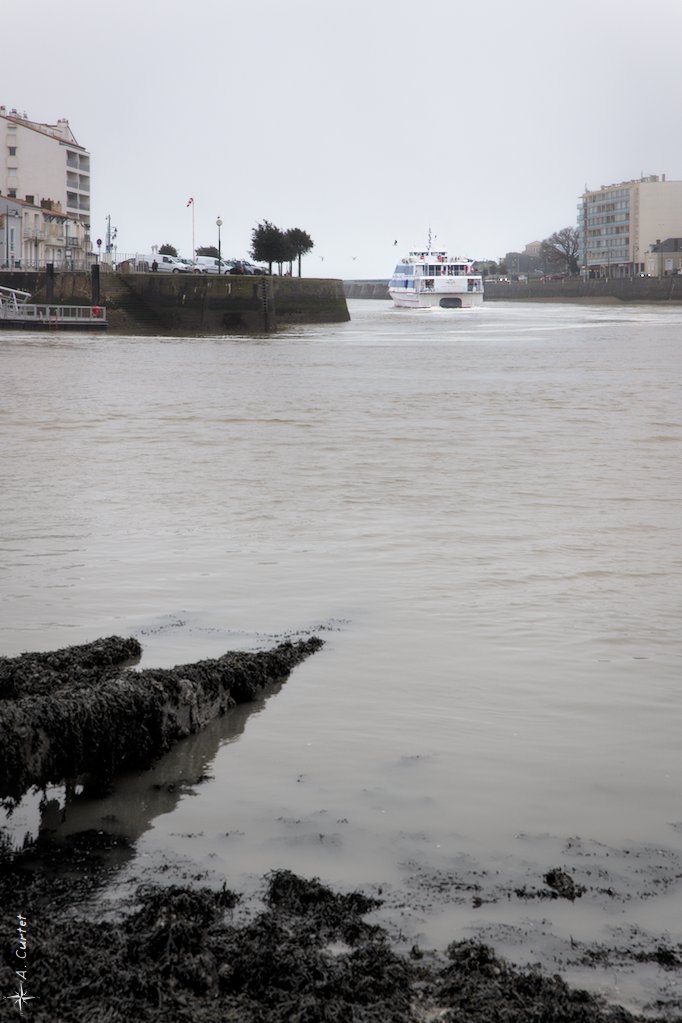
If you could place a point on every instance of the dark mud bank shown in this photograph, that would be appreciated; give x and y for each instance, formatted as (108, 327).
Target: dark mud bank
(80, 712)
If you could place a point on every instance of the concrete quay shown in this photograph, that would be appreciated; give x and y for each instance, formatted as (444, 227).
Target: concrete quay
(189, 305)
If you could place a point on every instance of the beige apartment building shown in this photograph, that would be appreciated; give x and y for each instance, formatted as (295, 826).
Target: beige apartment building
(44, 194)
(619, 224)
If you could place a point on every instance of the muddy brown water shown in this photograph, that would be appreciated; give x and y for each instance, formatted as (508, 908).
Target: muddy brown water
(479, 514)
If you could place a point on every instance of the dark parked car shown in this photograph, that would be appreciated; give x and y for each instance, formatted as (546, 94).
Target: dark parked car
(241, 266)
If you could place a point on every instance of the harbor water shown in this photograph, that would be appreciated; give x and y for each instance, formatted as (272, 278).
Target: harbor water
(477, 510)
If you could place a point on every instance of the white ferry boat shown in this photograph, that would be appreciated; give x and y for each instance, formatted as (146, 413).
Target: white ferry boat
(425, 279)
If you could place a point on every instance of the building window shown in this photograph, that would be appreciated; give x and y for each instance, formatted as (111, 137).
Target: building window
(12, 150)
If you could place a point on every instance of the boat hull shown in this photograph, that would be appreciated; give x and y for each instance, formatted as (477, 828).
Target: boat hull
(409, 299)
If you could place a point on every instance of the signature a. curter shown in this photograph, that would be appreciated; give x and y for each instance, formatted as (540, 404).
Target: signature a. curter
(21, 998)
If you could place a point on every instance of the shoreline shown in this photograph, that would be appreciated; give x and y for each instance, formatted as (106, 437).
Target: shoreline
(67, 887)
(178, 950)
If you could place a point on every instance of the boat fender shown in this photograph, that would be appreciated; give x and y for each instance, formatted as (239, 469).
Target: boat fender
(96, 312)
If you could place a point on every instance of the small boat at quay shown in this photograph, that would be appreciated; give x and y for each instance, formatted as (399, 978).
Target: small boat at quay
(426, 279)
(16, 312)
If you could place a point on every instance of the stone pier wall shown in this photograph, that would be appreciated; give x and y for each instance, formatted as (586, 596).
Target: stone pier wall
(639, 289)
(188, 305)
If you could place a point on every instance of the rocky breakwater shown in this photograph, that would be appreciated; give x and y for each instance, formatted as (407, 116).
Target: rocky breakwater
(82, 712)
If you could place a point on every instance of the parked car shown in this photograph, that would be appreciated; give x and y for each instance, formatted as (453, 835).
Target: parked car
(171, 264)
(160, 263)
(241, 266)
(210, 265)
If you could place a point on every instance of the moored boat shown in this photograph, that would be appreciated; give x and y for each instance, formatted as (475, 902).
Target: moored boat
(429, 279)
(16, 312)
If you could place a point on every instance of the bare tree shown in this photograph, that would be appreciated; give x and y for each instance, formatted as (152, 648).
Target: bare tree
(561, 249)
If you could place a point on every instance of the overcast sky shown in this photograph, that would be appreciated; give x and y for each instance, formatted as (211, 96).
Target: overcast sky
(361, 122)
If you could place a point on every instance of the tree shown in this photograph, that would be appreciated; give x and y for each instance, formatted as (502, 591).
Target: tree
(561, 249)
(300, 242)
(207, 250)
(271, 245)
(167, 250)
(268, 244)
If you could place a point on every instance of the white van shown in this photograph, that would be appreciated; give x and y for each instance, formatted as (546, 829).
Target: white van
(164, 264)
(210, 265)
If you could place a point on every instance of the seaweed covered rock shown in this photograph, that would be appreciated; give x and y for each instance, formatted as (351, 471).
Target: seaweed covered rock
(563, 885)
(35, 674)
(73, 712)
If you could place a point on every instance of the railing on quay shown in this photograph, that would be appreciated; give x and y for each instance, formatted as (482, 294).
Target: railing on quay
(134, 262)
(29, 314)
(40, 265)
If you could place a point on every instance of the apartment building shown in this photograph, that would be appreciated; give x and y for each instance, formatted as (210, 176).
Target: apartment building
(618, 224)
(44, 193)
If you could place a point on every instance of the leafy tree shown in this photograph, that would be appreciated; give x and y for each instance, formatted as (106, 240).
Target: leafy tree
(268, 244)
(561, 249)
(300, 243)
(207, 250)
(167, 250)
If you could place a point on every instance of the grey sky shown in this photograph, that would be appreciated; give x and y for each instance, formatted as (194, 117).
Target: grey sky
(361, 121)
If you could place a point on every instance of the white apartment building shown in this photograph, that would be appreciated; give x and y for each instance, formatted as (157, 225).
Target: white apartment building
(45, 179)
(618, 224)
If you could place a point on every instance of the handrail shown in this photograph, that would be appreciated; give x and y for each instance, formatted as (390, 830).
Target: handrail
(52, 313)
(15, 293)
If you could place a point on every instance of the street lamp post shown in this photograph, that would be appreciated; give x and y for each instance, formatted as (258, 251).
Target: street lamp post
(219, 224)
(15, 214)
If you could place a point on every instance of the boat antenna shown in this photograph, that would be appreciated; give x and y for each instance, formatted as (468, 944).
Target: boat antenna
(429, 239)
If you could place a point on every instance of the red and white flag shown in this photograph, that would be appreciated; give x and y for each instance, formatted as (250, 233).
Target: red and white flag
(190, 201)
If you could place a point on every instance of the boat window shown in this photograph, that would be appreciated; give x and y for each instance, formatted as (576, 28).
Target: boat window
(404, 268)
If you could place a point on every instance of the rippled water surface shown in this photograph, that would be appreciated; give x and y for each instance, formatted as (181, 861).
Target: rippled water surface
(479, 510)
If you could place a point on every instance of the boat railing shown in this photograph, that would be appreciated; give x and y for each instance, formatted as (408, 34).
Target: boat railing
(12, 299)
(41, 315)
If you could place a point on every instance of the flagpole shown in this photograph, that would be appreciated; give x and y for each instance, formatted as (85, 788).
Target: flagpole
(190, 202)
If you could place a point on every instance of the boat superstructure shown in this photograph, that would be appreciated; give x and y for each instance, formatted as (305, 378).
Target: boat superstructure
(426, 279)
